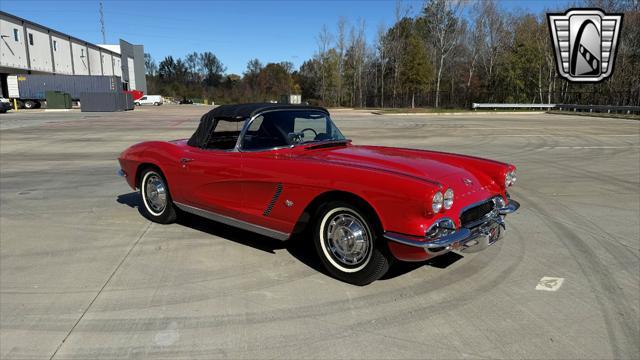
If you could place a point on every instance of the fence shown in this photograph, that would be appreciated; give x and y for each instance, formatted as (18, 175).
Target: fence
(562, 107)
(511, 106)
(600, 108)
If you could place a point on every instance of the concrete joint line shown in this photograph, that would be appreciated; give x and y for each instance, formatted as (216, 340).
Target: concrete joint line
(135, 243)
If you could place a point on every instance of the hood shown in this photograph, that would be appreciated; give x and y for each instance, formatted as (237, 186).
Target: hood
(448, 170)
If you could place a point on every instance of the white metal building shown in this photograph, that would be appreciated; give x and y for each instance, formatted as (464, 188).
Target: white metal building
(27, 47)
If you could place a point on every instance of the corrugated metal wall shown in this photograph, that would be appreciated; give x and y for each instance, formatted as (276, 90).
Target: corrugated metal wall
(35, 86)
(54, 52)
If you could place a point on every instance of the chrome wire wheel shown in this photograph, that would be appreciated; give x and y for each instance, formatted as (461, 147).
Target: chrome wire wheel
(346, 240)
(154, 193)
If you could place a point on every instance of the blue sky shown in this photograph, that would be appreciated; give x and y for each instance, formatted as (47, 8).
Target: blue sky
(236, 31)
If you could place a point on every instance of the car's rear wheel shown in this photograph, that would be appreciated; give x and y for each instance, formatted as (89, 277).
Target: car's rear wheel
(346, 239)
(156, 104)
(156, 197)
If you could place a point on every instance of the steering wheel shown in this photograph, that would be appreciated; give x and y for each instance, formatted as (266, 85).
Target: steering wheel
(315, 133)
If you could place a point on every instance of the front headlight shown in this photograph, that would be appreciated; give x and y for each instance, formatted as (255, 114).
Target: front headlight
(510, 178)
(436, 202)
(448, 199)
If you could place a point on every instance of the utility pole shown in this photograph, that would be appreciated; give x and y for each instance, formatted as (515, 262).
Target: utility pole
(104, 34)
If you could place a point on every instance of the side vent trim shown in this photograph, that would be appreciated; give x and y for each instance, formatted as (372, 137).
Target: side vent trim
(272, 203)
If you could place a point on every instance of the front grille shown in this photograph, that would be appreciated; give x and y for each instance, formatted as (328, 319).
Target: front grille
(472, 215)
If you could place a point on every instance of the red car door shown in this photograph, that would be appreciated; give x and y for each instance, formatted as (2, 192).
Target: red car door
(211, 180)
(263, 183)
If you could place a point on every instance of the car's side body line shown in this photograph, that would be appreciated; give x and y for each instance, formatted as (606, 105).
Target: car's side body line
(365, 167)
(234, 222)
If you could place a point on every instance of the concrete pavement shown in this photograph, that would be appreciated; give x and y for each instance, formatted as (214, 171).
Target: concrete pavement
(84, 276)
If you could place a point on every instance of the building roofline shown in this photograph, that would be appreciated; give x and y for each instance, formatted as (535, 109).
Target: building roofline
(56, 32)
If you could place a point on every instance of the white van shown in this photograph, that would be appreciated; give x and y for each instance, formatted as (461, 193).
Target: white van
(150, 100)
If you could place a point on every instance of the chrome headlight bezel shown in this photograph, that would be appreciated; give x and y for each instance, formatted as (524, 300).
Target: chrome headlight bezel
(440, 228)
(498, 202)
(437, 202)
(509, 178)
(448, 199)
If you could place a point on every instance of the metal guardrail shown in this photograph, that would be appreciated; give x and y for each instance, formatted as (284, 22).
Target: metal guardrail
(600, 108)
(512, 106)
(562, 107)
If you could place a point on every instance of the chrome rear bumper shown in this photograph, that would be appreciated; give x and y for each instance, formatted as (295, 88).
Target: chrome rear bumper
(468, 240)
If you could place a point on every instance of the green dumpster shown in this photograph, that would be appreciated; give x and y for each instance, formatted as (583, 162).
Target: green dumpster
(58, 100)
(67, 101)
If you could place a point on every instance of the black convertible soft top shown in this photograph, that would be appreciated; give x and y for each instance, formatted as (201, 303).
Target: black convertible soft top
(237, 112)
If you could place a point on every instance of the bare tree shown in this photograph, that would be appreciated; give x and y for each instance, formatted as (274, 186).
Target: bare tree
(193, 63)
(324, 40)
(473, 37)
(491, 26)
(396, 48)
(382, 58)
(150, 66)
(340, 45)
(443, 30)
(545, 49)
(353, 63)
(360, 52)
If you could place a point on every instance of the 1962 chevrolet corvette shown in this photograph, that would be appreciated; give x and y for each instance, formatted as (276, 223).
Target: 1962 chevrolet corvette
(279, 169)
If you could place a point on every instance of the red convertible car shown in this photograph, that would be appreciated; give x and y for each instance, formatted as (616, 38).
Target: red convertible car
(279, 169)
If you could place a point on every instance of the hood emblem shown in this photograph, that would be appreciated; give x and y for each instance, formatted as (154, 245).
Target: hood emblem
(467, 181)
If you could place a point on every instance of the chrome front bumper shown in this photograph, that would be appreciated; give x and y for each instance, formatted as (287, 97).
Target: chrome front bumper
(476, 238)
(512, 207)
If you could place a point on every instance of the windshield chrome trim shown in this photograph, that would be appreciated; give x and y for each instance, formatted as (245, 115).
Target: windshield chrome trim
(245, 125)
(248, 122)
(311, 145)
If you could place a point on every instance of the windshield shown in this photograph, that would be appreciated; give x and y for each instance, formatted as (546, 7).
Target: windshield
(286, 128)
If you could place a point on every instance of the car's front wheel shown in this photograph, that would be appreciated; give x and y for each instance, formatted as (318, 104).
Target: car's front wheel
(346, 239)
(156, 197)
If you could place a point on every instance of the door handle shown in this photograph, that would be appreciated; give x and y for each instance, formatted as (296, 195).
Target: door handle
(185, 160)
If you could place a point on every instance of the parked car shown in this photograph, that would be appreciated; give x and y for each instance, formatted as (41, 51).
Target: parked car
(156, 100)
(282, 169)
(185, 101)
(5, 105)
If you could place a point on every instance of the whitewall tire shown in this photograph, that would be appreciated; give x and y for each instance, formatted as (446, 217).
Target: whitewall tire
(346, 240)
(156, 198)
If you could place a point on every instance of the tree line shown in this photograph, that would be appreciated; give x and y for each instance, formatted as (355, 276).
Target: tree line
(449, 54)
